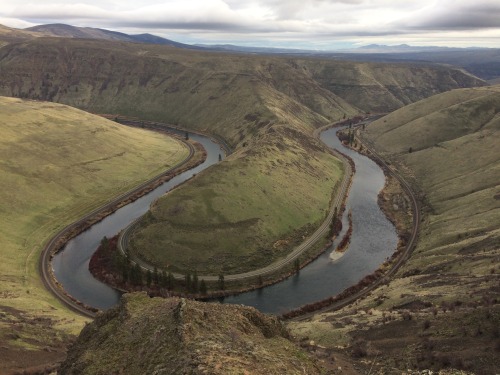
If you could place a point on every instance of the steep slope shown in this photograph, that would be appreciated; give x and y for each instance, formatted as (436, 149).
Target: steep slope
(260, 105)
(442, 307)
(377, 87)
(56, 164)
(214, 91)
(226, 94)
(172, 336)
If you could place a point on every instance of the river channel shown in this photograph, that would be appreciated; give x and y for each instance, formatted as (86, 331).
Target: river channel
(373, 240)
(71, 265)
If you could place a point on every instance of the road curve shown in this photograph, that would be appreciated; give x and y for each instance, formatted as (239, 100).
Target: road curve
(273, 267)
(410, 246)
(44, 266)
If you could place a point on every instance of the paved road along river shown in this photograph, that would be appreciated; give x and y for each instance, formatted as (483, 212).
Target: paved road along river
(373, 240)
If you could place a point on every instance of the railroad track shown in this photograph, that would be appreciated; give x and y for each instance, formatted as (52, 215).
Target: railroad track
(279, 264)
(410, 246)
(48, 251)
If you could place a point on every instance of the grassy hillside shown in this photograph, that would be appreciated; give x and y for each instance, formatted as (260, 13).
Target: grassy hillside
(250, 211)
(57, 163)
(175, 336)
(226, 94)
(379, 87)
(442, 308)
(260, 105)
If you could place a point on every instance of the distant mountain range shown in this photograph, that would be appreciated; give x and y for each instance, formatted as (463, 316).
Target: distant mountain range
(404, 48)
(482, 62)
(68, 31)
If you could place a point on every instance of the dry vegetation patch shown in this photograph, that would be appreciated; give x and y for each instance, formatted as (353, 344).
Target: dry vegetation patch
(177, 336)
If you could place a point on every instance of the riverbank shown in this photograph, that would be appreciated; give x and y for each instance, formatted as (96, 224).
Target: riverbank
(60, 164)
(400, 206)
(196, 156)
(239, 283)
(344, 243)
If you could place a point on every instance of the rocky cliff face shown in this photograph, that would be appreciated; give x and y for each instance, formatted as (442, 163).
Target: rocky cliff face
(175, 336)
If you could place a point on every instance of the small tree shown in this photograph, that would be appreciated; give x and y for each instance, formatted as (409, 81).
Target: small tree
(170, 281)
(105, 243)
(137, 275)
(149, 278)
(221, 282)
(203, 287)
(156, 276)
(187, 280)
(164, 279)
(194, 284)
(297, 265)
(410, 150)
(125, 272)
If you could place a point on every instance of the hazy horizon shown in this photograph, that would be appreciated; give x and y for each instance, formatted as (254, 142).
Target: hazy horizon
(306, 24)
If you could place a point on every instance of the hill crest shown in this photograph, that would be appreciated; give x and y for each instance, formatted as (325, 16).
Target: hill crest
(178, 336)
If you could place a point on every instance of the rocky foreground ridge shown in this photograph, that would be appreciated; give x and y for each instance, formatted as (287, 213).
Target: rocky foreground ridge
(146, 335)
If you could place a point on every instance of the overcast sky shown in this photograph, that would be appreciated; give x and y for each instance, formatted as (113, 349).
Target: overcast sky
(313, 24)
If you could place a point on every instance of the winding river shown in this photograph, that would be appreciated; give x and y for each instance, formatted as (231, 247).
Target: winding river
(373, 240)
(71, 265)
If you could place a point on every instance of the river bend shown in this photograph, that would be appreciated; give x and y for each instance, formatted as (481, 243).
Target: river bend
(71, 265)
(373, 240)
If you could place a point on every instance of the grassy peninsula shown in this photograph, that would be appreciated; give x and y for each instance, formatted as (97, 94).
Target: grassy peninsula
(252, 210)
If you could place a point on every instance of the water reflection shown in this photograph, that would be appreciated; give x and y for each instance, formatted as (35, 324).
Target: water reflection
(71, 266)
(373, 240)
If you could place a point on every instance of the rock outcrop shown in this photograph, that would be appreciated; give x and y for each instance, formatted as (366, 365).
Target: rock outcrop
(176, 336)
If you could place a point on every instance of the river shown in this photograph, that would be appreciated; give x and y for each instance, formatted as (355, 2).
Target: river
(71, 265)
(373, 240)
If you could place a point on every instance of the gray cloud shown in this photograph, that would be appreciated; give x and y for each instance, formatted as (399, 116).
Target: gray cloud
(458, 15)
(274, 21)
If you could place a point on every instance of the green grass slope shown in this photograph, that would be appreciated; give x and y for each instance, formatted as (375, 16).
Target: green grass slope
(223, 94)
(56, 164)
(454, 160)
(442, 308)
(378, 87)
(250, 211)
